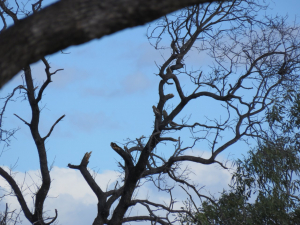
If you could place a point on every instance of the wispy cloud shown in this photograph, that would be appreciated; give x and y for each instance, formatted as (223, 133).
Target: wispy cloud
(91, 121)
(131, 84)
(137, 82)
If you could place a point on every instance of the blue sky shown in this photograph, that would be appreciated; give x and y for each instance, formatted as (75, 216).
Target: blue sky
(106, 91)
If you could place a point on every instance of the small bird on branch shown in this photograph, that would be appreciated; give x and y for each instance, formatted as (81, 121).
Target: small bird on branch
(156, 111)
(173, 124)
(169, 71)
(165, 114)
(126, 149)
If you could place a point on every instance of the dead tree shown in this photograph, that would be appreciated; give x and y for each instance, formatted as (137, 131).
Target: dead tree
(252, 61)
(34, 95)
(245, 74)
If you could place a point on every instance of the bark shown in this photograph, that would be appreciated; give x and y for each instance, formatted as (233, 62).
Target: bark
(74, 22)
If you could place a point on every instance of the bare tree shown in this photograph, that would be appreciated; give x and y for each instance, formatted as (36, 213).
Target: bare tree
(252, 60)
(33, 94)
(65, 23)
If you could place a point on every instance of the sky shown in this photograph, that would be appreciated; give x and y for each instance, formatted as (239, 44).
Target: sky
(106, 90)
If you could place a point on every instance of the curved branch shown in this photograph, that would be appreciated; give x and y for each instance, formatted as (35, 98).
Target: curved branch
(53, 219)
(57, 121)
(48, 80)
(18, 193)
(125, 155)
(73, 22)
(9, 12)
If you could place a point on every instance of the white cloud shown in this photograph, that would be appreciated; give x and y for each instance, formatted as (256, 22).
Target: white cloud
(77, 204)
(69, 194)
(213, 176)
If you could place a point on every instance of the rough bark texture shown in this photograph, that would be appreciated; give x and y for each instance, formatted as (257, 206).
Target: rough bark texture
(73, 22)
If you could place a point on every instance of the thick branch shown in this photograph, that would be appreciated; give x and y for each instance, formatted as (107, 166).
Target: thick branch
(74, 22)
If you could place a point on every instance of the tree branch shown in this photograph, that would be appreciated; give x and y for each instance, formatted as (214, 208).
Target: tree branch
(49, 133)
(87, 176)
(18, 193)
(28, 124)
(73, 22)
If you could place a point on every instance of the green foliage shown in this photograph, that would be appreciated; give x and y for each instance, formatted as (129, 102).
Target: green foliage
(265, 186)
(295, 113)
(264, 189)
(284, 115)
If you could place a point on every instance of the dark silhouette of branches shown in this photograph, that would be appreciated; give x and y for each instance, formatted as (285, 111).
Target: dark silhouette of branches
(9, 217)
(249, 57)
(249, 60)
(37, 216)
